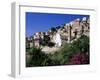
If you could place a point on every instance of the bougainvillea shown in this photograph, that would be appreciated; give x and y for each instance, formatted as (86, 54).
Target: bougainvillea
(80, 58)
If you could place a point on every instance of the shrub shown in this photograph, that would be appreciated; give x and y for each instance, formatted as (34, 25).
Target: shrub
(82, 44)
(72, 53)
(79, 58)
(70, 50)
(39, 58)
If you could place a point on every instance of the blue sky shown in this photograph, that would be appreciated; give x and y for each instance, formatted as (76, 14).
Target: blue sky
(41, 22)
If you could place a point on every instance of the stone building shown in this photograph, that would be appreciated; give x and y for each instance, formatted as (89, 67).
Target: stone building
(75, 29)
(29, 42)
(36, 37)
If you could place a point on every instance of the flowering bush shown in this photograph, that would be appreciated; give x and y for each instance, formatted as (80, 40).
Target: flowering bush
(80, 58)
(73, 53)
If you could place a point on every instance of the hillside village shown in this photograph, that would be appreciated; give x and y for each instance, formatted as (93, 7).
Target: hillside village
(68, 33)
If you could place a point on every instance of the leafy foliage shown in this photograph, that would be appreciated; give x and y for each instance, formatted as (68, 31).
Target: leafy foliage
(80, 58)
(82, 44)
(76, 52)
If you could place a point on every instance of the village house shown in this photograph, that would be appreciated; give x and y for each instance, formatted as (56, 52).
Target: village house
(36, 38)
(29, 42)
